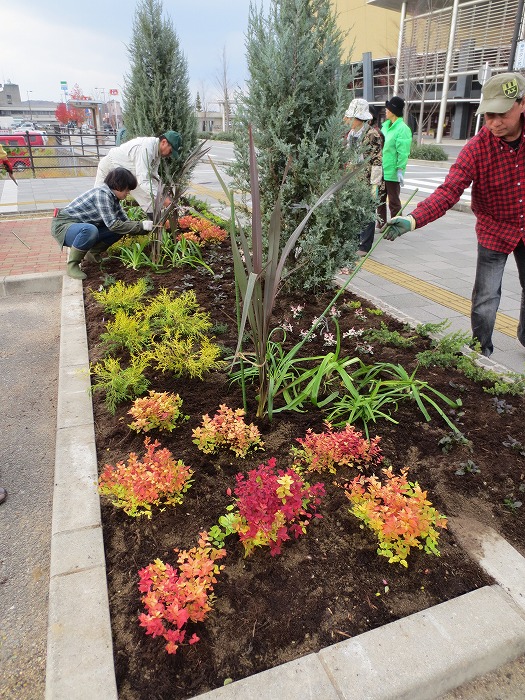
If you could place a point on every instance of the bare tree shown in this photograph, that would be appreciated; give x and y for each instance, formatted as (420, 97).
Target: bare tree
(205, 105)
(223, 83)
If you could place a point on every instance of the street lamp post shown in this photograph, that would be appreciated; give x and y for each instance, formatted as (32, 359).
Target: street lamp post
(29, 102)
(102, 109)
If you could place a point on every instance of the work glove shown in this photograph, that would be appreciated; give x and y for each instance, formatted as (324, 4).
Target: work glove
(147, 225)
(400, 178)
(7, 166)
(398, 226)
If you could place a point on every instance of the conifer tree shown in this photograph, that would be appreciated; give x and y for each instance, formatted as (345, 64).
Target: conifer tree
(157, 94)
(295, 101)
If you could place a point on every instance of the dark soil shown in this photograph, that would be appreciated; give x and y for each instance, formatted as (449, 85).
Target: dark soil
(330, 584)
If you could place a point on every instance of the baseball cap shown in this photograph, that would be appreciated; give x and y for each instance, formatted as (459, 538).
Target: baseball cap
(358, 109)
(175, 140)
(500, 93)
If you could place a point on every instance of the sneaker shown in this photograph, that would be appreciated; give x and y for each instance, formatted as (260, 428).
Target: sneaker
(3, 495)
(362, 253)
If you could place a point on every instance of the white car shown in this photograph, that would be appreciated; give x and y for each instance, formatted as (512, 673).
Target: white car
(29, 126)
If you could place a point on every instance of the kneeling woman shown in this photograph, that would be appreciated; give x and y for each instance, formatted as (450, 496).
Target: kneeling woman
(95, 220)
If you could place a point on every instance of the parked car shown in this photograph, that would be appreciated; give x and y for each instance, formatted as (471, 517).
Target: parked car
(17, 153)
(36, 138)
(30, 126)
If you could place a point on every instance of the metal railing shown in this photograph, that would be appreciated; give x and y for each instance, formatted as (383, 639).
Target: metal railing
(66, 149)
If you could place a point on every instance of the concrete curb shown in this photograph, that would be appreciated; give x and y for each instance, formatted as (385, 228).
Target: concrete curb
(30, 284)
(419, 657)
(79, 646)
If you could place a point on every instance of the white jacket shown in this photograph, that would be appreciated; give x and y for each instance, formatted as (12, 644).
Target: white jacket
(141, 156)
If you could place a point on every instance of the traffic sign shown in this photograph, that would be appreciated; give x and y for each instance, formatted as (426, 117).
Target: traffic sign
(63, 85)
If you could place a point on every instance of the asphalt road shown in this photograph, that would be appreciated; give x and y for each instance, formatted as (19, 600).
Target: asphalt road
(29, 353)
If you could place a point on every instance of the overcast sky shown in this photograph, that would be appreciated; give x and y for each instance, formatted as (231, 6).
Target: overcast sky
(46, 42)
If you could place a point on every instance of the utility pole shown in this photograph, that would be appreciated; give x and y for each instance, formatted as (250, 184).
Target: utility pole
(29, 102)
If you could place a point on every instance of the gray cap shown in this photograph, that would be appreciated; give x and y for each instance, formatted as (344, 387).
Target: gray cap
(500, 93)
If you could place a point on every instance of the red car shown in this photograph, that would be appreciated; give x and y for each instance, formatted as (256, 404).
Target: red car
(17, 153)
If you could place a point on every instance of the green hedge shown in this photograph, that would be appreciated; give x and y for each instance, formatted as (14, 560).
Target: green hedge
(217, 136)
(427, 152)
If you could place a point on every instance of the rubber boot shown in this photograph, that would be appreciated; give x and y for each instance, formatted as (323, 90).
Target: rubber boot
(75, 258)
(94, 255)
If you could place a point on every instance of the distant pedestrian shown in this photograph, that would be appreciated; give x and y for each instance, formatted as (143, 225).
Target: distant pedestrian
(398, 139)
(142, 157)
(494, 162)
(95, 220)
(365, 142)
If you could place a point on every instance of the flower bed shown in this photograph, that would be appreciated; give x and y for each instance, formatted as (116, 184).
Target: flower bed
(327, 582)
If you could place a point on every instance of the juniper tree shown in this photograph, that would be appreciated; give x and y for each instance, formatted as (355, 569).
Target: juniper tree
(295, 101)
(157, 94)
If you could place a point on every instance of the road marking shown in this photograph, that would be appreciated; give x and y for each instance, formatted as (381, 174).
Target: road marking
(420, 184)
(214, 194)
(9, 197)
(504, 324)
(32, 203)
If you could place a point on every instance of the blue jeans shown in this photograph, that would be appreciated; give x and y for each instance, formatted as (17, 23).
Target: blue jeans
(85, 236)
(486, 294)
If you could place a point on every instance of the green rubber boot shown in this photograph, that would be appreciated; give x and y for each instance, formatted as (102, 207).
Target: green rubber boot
(75, 258)
(94, 255)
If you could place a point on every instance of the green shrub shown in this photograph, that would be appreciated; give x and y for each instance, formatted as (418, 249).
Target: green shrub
(216, 136)
(118, 383)
(427, 152)
(120, 295)
(203, 208)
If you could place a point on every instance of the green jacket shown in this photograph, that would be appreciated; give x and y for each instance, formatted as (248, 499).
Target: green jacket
(398, 139)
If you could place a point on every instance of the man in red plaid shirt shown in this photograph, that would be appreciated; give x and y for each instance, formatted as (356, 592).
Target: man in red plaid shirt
(494, 162)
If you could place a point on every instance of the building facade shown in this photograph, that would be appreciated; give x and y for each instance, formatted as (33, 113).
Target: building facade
(444, 51)
(13, 107)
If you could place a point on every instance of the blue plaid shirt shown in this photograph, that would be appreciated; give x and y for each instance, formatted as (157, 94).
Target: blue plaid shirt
(98, 206)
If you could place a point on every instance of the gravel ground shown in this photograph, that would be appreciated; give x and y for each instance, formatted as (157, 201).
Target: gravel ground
(29, 354)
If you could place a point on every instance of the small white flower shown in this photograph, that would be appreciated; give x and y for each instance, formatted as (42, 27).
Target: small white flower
(352, 333)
